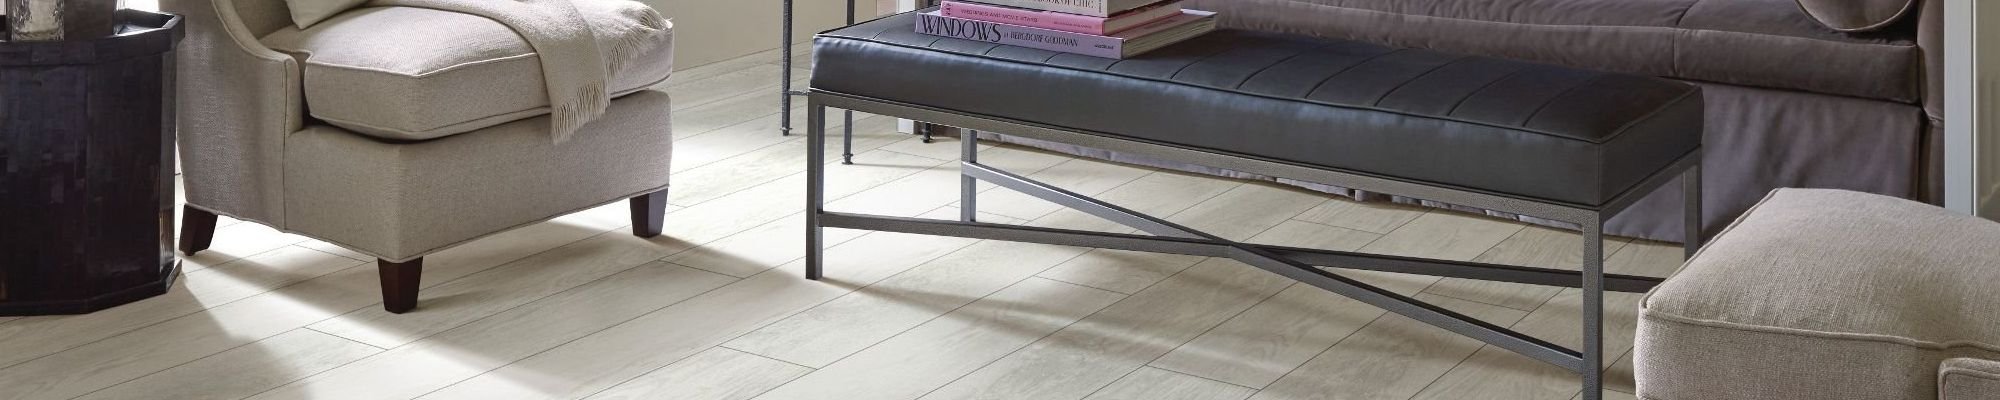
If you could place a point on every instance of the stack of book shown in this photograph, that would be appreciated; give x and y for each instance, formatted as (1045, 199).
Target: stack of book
(1100, 28)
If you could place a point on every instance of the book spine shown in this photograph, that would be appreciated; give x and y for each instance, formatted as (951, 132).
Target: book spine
(1014, 35)
(1094, 8)
(1026, 17)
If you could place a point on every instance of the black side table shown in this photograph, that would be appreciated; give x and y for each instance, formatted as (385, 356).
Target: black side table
(86, 168)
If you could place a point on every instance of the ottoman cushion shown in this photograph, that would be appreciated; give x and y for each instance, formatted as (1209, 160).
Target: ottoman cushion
(1822, 294)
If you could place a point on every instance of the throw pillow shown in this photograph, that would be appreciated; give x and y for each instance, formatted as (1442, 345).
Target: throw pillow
(1857, 15)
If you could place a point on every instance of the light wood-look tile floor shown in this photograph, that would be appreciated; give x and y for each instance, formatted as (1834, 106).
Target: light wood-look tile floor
(717, 309)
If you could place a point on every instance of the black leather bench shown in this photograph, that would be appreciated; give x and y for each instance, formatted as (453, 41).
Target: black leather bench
(1561, 134)
(1561, 143)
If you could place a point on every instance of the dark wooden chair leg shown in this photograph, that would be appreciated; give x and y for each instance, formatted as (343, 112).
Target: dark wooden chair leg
(197, 230)
(399, 284)
(649, 212)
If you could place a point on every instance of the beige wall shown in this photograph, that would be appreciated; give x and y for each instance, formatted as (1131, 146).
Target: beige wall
(706, 31)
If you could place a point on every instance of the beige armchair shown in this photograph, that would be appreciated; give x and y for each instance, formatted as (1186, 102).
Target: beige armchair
(398, 132)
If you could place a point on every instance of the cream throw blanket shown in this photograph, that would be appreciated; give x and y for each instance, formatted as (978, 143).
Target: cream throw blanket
(580, 43)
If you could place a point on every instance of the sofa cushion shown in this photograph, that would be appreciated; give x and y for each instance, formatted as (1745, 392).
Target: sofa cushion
(1857, 15)
(414, 74)
(1824, 294)
(1761, 43)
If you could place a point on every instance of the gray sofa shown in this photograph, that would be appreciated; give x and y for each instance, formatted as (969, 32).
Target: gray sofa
(1843, 96)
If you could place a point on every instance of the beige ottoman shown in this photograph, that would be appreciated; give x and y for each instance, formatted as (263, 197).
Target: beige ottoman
(1825, 294)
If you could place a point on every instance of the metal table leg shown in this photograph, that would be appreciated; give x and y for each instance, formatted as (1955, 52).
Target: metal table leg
(847, 131)
(785, 72)
(785, 91)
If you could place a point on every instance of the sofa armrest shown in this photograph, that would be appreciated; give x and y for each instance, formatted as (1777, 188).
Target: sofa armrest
(1930, 39)
(1968, 379)
(237, 100)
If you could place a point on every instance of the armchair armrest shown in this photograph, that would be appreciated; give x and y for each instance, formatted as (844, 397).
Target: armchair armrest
(237, 102)
(1968, 379)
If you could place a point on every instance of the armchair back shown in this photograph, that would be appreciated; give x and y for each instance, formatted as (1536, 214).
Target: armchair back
(261, 17)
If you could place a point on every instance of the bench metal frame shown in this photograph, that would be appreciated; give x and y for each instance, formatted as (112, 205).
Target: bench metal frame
(1300, 264)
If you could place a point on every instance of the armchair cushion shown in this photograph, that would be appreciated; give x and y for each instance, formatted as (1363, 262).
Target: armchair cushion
(405, 73)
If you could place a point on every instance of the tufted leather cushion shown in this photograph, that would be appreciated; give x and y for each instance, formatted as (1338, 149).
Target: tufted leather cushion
(414, 74)
(1857, 15)
(1533, 130)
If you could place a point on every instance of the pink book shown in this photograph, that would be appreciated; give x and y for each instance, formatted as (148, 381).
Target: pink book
(1188, 25)
(1061, 21)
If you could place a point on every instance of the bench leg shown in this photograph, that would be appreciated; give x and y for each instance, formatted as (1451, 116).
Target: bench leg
(815, 186)
(1693, 238)
(968, 186)
(1592, 364)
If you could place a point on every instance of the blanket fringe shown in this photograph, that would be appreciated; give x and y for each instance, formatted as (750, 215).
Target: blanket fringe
(592, 101)
(630, 47)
